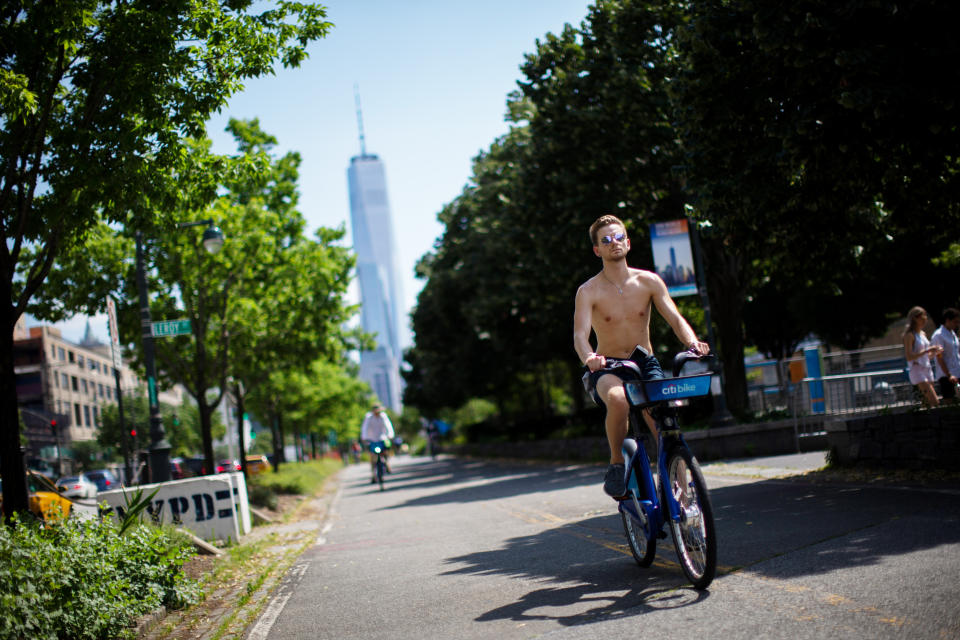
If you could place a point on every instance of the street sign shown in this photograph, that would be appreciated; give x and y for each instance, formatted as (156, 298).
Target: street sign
(166, 328)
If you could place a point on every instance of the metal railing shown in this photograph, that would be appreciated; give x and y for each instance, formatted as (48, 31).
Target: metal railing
(863, 382)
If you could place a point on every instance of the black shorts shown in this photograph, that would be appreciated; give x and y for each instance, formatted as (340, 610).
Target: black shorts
(649, 370)
(947, 389)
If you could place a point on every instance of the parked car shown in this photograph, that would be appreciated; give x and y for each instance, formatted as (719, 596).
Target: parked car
(77, 486)
(228, 466)
(104, 479)
(257, 464)
(43, 498)
(179, 469)
(197, 466)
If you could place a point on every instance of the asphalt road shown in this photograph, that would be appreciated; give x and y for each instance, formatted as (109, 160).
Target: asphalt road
(476, 549)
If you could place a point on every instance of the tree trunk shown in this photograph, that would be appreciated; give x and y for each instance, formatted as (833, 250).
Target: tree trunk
(727, 291)
(11, 458)
(205, 425)
(241, 437)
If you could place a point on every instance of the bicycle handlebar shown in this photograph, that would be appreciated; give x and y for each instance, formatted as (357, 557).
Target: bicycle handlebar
(685, 356)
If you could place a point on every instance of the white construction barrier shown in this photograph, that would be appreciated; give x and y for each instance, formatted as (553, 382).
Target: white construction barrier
(212, 507)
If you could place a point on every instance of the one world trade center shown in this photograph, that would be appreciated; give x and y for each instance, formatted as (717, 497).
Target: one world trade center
(380, 293)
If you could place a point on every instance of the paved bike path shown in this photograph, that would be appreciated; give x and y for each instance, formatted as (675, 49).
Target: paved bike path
(471, 549)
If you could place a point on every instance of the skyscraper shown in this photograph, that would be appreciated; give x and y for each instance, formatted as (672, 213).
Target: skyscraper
(380, 294)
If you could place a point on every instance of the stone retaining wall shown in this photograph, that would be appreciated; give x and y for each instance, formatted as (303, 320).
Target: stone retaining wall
(915, 439)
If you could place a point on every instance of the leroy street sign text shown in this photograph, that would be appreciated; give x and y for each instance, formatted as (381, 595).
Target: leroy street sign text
(166, 328)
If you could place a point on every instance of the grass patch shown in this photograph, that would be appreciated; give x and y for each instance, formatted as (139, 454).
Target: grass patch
(294, 478)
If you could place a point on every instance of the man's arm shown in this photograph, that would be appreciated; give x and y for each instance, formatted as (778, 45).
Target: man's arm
(364, 429)
(582, 312)
(387, 424)
(668, 310)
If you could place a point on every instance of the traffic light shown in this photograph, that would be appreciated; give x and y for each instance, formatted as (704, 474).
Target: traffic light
(53, 427)
(133, 433)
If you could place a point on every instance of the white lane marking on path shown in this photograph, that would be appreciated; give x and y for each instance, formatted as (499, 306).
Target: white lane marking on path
(261, 631)
(331, 512)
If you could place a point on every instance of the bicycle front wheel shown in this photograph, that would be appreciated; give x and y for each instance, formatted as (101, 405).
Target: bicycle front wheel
(694, 534)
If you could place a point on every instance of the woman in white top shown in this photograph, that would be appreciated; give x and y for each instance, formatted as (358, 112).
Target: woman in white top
(920, 354)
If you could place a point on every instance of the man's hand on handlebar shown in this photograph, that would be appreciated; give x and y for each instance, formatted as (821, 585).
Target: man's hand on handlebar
(699, 348)
(595, 362)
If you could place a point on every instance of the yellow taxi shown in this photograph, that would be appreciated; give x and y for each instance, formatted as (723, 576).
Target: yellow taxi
(43, 498)
(257, 464)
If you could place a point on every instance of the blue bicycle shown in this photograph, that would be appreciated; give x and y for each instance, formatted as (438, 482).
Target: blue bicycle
(378, 448)
(679, 498)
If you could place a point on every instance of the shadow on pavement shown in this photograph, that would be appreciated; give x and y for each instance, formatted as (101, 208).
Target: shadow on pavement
(590, 576)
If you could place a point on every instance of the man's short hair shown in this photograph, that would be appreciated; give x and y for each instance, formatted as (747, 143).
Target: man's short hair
(949, 314)
(601, 222)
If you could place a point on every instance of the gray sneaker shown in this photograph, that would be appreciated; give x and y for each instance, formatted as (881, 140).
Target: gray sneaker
(613, 484)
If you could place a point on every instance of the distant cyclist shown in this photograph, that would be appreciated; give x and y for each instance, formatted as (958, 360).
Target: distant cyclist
(376, 428)
(616, 303)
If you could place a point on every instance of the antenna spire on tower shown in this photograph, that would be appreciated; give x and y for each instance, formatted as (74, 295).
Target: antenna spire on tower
(363, 143)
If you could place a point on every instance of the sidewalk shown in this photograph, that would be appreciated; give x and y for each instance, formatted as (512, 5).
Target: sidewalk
(248, 576)
(768, 467)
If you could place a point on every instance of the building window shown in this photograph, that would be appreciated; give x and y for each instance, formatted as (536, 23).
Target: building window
(74, 384)
(86, 415)
(66, 382)
(61, 354)
(56, 381)
(83, 384)
(76, 413)
(100, 389)
(71, 357)
(80, 361)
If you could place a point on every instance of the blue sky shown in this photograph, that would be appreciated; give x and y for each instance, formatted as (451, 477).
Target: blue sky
(433, 79)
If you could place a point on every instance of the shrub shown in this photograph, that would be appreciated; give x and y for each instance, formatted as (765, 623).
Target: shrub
(82, 579)
(298, 478)
(262, 496)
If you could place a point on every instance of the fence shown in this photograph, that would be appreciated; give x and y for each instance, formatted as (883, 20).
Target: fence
(820, 385)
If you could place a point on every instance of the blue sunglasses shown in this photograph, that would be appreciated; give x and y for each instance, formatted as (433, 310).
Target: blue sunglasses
(619, 237)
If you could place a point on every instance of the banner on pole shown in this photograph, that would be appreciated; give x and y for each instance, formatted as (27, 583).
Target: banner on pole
(672, 257)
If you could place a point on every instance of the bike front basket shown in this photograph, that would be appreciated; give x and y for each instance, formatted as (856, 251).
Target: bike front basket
(650, 391)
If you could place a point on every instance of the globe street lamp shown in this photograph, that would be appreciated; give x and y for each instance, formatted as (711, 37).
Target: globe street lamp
(159, 447)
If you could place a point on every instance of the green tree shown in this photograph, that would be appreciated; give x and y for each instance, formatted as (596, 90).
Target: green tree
(815, 139)
(95, 97)
(592, 136)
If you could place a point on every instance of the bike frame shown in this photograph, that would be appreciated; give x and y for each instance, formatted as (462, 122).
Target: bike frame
(647, 498)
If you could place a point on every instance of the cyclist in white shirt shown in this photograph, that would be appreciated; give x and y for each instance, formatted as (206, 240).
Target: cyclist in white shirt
(948, 360)
(376, 427)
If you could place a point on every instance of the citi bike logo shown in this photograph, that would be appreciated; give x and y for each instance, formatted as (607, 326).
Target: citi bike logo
(677, 389)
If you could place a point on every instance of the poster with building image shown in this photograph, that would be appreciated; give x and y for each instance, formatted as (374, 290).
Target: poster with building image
(672, 256)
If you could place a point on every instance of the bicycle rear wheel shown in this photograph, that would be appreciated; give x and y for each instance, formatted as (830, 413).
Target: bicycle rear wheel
(694, 535)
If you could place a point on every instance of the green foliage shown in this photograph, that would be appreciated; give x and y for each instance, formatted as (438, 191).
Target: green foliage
(810, 175)
(135, 505)
(82, 579)
(262, 495)
(297, 478)
(184, 439)
(96, 132)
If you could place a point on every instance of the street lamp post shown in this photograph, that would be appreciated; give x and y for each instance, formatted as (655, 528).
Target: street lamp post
(159, 447)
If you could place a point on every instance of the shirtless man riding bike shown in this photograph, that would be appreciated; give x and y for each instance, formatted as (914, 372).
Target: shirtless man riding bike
(616, 303)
